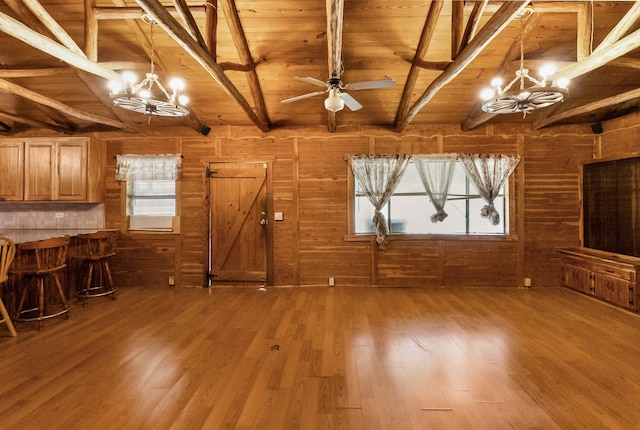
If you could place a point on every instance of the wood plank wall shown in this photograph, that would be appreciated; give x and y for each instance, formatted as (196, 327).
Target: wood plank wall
(310, 188)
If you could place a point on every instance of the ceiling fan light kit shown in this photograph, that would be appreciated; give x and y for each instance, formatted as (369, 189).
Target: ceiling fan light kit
(334, 102)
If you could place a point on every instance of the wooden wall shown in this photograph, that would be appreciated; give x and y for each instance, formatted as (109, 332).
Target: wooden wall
(310, 188)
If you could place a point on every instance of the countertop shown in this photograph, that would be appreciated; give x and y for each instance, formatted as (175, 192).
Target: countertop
(22, 236)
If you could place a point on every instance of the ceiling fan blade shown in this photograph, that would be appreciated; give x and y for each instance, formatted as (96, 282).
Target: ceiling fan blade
(304, 96)
(312, 81)
(350, 102)
(381, 83)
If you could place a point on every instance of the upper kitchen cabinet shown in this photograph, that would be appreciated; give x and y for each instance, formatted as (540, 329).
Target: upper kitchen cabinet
(11, 170)
(63, 169)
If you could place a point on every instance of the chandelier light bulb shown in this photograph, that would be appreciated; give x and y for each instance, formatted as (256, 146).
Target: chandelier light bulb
(563, 83)
(487, 94)
(176, 84)
(144, 93)
(115, 87)
(546, 71)
(183, 100)
(129, 77)
(496, 82)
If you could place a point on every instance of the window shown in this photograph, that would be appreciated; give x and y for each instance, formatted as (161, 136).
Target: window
(151, 191)
(409, 210)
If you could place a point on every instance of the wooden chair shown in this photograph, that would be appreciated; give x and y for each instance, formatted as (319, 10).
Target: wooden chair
(93, 250)
(38, 264)
(7, 254)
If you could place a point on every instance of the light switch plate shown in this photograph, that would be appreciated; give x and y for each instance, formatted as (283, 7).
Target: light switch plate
(278, 216)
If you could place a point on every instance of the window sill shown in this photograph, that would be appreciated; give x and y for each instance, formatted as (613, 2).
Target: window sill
(434, 237)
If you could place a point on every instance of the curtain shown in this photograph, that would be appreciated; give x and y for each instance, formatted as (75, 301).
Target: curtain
(148, 166)
(436, 173)
(378, 175)
(488, 172)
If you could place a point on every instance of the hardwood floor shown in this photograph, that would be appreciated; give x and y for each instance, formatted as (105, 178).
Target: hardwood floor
(326, 358)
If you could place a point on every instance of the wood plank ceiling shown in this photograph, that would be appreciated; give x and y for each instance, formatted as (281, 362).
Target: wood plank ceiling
(240, 59)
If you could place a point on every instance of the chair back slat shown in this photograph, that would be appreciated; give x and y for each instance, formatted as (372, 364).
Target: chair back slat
(43, 255)
(95, 245)
(7, 254)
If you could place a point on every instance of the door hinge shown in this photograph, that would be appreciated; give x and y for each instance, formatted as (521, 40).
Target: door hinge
(210, 172)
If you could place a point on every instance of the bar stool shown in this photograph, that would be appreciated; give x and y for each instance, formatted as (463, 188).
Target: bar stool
(38, 264)
(7, 254)
(93, 250)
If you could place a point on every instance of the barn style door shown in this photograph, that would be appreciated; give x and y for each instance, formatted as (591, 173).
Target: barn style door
(239, 224)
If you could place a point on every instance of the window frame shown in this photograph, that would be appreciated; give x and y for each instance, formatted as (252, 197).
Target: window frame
(126, 218)
(509, 217)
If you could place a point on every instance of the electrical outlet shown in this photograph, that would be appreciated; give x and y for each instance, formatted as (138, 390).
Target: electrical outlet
(332, 282)
(59, 214)
(172, 281)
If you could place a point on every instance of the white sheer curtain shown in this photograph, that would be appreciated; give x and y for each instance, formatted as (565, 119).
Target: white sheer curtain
(148, 166)
(436, 173)
(488, 172)
(378, 175)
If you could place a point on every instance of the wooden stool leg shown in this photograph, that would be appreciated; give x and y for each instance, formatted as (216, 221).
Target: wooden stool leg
(40, 303)
(109, 286)
(7, 320)
(22, 300)
(61, 294)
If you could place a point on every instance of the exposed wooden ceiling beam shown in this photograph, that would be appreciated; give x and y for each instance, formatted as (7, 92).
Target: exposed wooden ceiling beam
(457, 23)
(189, 21)
(211, 28)
(610, 49)
(242, 47)
(490, 31)
(473, 23)
(200, 54)
(67, 110)
(5, 116)
(125, 12)
(587, 108)
(335, 20)
(23, 33)
(423, 44)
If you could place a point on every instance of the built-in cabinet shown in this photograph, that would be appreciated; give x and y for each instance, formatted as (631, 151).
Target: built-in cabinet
(52, 169)
(604, 275)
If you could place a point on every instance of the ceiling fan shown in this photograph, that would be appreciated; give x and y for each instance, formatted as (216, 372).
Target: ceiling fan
(337, 99)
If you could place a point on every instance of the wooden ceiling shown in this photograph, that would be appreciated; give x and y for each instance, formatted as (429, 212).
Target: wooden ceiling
(240, 59)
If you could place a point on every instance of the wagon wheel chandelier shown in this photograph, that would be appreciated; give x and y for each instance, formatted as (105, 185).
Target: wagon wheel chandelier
(540, 93)
(144, 97)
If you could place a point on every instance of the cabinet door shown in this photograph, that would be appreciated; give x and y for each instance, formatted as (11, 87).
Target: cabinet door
(72, 170)
(578, 278)
(11, 170)
(613, 289)
(39, 170)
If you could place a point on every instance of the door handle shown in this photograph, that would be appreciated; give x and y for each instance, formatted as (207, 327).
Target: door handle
(264, 220)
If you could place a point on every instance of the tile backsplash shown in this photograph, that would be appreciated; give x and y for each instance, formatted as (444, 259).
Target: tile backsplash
(51, 216)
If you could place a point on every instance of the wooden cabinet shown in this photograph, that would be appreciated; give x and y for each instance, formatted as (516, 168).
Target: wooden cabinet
(64, 169)
(11, 170)
(604, 275)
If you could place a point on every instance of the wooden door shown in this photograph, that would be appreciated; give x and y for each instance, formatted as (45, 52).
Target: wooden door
(239, 223)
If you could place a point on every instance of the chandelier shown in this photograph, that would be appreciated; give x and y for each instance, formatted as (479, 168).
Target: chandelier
(540, 93)
(144, 97)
